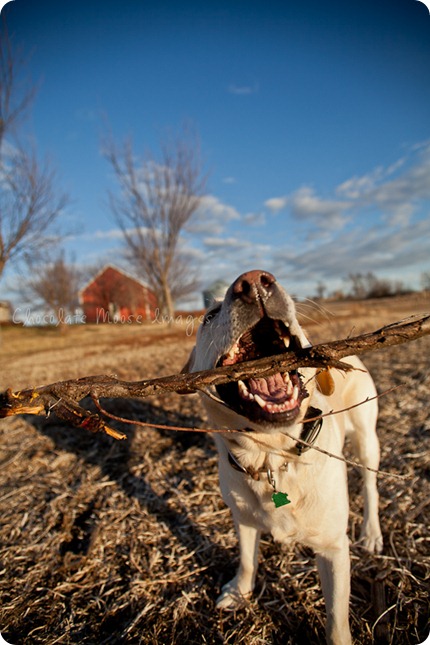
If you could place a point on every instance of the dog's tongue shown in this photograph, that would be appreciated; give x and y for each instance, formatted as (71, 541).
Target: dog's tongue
(272, 388)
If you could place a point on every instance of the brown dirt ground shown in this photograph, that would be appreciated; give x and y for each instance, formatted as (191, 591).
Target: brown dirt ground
(106, 542)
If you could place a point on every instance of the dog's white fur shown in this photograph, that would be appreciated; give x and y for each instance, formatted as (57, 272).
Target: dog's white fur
(315, 483)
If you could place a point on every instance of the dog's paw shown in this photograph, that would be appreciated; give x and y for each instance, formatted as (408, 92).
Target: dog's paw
(231, 598)
(372, 541)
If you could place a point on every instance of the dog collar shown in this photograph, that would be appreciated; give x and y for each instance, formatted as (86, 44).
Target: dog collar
(278, 497)
(252, 472)
(311, 430)
(309, 434)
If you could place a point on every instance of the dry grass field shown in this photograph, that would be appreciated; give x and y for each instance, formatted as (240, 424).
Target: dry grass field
(106, 542)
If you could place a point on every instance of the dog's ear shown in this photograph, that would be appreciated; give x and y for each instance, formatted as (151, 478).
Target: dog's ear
(187, 368)
(325, 382)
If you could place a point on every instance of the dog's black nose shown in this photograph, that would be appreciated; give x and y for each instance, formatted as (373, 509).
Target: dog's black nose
(253, 285)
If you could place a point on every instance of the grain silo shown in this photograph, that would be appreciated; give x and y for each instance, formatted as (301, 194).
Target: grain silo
(216, 291)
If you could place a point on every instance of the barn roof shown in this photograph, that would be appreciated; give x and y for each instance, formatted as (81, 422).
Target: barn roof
(118, 270)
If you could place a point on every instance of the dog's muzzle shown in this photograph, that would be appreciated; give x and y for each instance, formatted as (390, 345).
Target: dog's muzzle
(274, 399)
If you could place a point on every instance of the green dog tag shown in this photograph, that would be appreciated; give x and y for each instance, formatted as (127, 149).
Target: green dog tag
(280, 499)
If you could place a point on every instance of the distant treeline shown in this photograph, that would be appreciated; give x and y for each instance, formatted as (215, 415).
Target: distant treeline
(361, 286)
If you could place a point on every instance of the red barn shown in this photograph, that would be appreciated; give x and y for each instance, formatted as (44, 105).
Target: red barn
(113, 296)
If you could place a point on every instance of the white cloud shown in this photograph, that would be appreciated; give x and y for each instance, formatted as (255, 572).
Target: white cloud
(397, 197)
(325, 213)
(389, 194)
(211, 206)
(354, 187)
(377, 250)
(276, 204)
(369, 223)
(357, 186)
(212, 217)
(304, 204)
(243, 90)
(110, 234)
(207, 226)
(230, 242)
(254, 219)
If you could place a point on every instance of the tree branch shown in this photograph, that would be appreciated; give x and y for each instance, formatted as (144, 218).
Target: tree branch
(64, 397)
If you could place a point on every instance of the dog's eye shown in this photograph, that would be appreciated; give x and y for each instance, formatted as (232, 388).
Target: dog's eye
(211, 314)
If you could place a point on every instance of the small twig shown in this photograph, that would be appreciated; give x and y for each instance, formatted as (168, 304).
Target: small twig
(51, 407)
(381, 617)
(349, 462)
(355, 405)
(146, 424)
(159, 426)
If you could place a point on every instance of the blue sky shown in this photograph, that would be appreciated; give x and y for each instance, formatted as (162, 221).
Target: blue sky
(314, 120)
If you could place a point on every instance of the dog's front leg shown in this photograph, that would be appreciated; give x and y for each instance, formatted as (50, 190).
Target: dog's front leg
(334, 570)
(241, 586)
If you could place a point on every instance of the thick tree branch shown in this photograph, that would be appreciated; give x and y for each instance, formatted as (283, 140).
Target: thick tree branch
(64, 397)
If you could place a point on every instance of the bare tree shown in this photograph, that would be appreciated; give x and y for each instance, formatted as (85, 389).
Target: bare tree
(55, 285)
(358, 288)
(154, 203)
(320, 290)
(425, 280)
(370, 286)
(13, 102)
(29, 201)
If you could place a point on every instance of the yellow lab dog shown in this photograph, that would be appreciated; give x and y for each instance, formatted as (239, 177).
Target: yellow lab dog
(271, 481)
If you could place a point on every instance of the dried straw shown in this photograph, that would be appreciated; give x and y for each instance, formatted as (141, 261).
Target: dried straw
(106, 542)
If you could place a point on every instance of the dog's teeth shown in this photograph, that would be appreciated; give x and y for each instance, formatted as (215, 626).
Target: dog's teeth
(242, 388)
(286, 340)
(233, 352)
(261, 402)
(288, 383)
(244, 392)
(295, 392)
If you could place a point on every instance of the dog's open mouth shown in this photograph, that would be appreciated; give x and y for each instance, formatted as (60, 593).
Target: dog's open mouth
(276, 398)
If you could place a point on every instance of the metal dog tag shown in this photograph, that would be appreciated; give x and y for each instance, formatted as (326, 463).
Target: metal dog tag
(278, 498)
